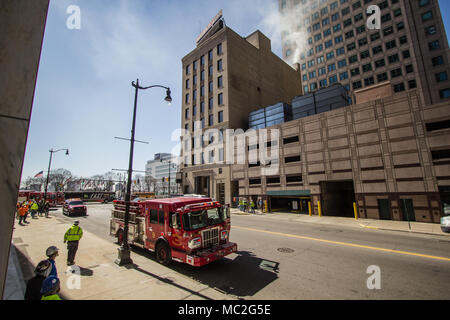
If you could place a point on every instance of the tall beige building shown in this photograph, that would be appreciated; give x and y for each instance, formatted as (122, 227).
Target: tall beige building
(224, 78)
(332, 42)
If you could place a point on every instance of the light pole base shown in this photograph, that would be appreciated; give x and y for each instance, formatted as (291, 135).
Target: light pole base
(124, 257)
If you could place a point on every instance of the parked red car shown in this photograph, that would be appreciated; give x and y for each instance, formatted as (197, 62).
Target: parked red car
(74, 207)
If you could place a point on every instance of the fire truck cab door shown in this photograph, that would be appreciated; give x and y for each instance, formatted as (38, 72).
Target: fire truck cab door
(154, 226)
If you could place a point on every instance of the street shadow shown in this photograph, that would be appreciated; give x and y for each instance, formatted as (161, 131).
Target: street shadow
(167, 281)
(242, 274)
(84, 272)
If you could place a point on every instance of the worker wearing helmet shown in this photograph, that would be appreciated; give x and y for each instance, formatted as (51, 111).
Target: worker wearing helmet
(34, 285)
(72, 237)
(52, 253)
(50, 289)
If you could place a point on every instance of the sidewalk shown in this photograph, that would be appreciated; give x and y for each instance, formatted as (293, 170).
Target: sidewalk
(416, 227)
(101, 278)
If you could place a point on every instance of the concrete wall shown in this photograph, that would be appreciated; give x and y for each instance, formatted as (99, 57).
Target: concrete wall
(383, 146)
(22, 24)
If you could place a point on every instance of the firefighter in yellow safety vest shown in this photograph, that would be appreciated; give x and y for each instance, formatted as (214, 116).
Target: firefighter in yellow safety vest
(72, 237)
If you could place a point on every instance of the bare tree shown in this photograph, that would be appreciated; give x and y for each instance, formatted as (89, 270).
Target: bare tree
(59, 177)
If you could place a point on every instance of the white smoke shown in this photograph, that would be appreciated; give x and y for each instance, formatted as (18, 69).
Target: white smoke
(288, 27)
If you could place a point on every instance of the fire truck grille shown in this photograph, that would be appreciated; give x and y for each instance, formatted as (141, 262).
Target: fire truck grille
(210, 237)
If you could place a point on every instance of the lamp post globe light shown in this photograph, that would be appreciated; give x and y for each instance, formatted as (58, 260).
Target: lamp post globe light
(48, 172)
(124, 250)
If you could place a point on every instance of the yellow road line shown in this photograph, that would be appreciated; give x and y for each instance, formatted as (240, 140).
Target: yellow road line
(346, 244)
(368, 227)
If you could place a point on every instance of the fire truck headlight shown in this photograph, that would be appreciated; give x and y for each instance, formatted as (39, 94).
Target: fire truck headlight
(224, 235)
(195, 243)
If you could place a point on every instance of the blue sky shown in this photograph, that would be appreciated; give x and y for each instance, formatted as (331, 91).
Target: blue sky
(84, 96)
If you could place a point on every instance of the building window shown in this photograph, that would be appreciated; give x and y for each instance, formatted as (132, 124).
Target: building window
(210, 103)
(186, 113)
(187, 98)
(382, 77)
(333, 79)
(444, 94)
(210, 71)
(220, 117)
(380, 63)
(391, 44)
(357, 85)
(353, 59)
(272, 180)
(406, 54)
(387, 31)
(210, 55)
(437, 61)
(202, 60)
(254, 181)
(427, 16)
(291, 179)
(211, 120)
(194, 66)
(220, 99)
(441, 76)
(220, 82)
(210, 86)
(219, 49)
(375, 36)
(369, 81)
(377, 49)
(399, 87)
(219, 65)
(412, 84)
(365, 54)
(430, 30)
(394, 58)
(409, 68)
(202, 107)
(434, 45)
(355, 72)
(292, 159)
(396, 73)
(367, 67)
(187, 70)
(291, 140)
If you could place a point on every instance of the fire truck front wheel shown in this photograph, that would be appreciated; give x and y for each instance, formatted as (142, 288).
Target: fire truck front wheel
(163, 253)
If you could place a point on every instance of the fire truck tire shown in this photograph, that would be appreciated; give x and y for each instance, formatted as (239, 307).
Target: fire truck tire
(120, 237)
(163, 253)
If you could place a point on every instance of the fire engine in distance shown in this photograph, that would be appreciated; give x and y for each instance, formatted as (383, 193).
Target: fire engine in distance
(189, 230)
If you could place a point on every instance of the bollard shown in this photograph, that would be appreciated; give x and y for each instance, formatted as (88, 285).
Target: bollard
(318, 207)
(309, 208)
(355, 210)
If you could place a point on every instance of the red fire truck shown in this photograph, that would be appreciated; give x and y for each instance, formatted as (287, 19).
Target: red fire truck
(189, 230)
(54, 198)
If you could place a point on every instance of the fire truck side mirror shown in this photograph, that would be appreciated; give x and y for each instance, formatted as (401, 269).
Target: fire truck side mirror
(175, 221)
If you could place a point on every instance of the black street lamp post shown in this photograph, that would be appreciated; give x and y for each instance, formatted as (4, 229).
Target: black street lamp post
(124, 251)
(48, 172)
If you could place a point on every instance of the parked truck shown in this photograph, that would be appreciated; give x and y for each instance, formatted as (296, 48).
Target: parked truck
(189, 230)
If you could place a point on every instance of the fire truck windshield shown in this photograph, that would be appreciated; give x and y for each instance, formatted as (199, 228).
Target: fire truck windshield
(199, 219)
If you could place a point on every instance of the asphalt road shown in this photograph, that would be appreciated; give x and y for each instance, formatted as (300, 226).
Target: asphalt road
(282, 259)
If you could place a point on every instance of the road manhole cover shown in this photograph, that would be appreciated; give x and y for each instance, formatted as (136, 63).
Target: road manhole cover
(285, 250)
